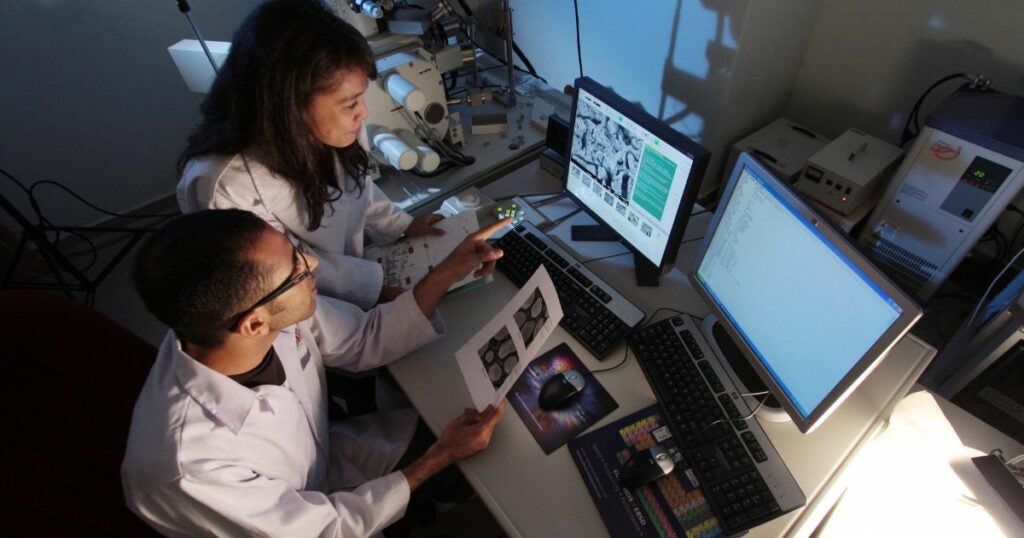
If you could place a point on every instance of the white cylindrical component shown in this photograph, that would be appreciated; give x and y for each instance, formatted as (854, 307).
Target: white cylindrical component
(405, 93)
(371, 9)
(365, 24)
(395, 150)
(427, 159)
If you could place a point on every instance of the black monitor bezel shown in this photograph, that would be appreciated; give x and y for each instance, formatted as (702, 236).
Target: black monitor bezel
(870, 359)
(667, 134)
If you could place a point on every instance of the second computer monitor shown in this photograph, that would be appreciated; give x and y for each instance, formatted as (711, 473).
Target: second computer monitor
(810, 313)
(632, 173)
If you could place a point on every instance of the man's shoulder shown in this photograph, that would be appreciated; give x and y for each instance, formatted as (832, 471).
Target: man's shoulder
(169, 429)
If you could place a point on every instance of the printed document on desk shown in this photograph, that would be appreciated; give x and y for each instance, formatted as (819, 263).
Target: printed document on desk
(407, 261)
(494, 358)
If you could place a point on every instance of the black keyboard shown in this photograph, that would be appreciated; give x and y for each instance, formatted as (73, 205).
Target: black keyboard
(740, 473)
(594, 313)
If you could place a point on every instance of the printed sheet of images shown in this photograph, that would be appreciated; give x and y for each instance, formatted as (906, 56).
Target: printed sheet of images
(493, 359)
(407, 261)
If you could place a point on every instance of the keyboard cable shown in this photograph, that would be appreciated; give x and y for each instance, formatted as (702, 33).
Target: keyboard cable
(766, 394)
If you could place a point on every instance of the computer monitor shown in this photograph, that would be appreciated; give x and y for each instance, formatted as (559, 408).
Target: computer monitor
(810, 314)
(635, 175)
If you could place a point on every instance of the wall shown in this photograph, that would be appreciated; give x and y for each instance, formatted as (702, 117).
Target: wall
(868, 61)
(92, 99)
(714, 70)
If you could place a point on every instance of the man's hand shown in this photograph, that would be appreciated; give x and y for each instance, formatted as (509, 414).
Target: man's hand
(472, 255)
(468, 434)
(424, 225)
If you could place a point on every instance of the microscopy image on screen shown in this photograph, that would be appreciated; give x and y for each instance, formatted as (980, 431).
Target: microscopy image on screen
(606, 150)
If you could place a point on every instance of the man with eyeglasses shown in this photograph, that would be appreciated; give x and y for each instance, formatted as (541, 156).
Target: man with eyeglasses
(230, 433)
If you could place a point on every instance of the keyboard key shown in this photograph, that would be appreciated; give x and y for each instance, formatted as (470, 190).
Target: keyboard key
(704, 418)
(586, 316)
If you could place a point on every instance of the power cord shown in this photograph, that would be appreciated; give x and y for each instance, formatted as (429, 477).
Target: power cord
(579, 49)
(912, 127)
(43, 222)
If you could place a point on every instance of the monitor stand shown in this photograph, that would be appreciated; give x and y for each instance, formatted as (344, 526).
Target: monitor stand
(647, 274)
(771, 411)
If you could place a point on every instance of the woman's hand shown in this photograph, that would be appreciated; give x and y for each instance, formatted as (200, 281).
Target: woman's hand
(424, 225)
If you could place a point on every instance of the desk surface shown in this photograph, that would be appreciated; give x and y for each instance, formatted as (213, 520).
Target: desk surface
(533, 494)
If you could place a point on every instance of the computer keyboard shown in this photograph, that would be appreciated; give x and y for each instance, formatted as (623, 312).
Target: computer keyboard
(594, 313)
(742, 476)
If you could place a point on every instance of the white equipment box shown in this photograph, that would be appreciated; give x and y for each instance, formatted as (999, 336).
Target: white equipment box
(782, 146)
(845, 173)
(962, 171)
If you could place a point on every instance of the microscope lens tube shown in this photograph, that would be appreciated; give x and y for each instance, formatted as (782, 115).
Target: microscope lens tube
(397, 152)
(405, 93)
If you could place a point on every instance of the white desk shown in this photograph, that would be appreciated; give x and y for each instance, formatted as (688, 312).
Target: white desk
(533, 494)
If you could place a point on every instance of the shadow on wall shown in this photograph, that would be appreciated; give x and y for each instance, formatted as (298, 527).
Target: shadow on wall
(694, 80)
(930, 61)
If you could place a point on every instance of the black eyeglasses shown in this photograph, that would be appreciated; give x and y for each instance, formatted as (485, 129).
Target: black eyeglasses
(293, 281)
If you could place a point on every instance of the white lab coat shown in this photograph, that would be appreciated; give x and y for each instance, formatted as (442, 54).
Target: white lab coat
(221, 181)
(208, 456)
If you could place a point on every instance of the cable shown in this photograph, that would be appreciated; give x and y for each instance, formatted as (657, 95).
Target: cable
(912, 118)
(526, 61)
(606, 257)
(504, 63)
(550, 193)
(625, 357)
(42, 222)
(766, 395)
(981, 300)
(579, 50)
(97, 208)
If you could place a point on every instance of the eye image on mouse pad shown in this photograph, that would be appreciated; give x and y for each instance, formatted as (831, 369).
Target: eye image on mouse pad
(530, 317)
(499, 357)
(552, 428)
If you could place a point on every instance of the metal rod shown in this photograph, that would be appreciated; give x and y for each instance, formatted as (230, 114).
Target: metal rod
(507, 10)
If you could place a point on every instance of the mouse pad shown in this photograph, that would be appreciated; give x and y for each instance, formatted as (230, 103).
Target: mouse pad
(671, 506)
(553, 429)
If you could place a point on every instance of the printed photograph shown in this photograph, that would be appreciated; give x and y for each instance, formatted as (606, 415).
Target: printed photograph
(633, 218)
(646, 229)
(499, 357)
(531, 316)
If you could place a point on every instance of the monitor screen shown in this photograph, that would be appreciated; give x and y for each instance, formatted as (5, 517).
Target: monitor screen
(809, 312)
(631, 172)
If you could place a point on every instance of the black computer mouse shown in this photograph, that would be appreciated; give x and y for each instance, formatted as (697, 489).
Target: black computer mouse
(560, 390)
(646, 466)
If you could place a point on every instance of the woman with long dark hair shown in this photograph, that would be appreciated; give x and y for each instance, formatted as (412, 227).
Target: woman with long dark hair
(280, 137)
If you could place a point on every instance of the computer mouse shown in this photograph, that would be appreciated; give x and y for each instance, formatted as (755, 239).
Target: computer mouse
(646, 466)
(560, 390)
